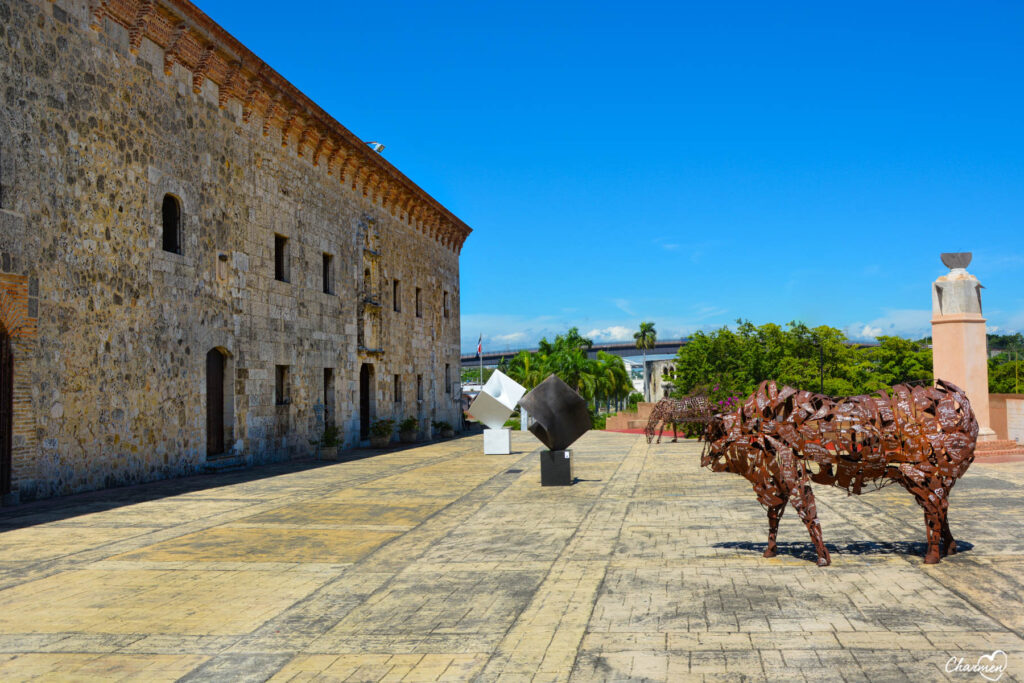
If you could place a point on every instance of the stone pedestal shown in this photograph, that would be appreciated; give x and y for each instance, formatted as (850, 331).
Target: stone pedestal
(556, 468)
(959, 346)
(497, 441)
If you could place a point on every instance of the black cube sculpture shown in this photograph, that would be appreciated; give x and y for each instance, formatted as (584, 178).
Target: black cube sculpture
(560, 416)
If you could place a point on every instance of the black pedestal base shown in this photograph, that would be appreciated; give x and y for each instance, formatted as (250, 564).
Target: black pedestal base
(556, 468)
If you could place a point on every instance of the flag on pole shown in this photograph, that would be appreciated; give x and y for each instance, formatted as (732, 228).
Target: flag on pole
(480, 346)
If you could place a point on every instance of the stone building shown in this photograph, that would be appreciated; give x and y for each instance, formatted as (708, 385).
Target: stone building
(197, 261)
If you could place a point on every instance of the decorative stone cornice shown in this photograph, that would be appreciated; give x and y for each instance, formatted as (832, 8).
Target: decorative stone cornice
(197, 43)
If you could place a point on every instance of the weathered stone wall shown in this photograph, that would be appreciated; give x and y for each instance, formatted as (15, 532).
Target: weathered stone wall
(112, 378)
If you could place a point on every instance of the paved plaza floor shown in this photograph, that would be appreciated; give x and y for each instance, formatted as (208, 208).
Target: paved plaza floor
(440, 563)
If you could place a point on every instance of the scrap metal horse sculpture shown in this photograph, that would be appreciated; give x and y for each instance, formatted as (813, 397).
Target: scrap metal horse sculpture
(781, 440)
(695, 408)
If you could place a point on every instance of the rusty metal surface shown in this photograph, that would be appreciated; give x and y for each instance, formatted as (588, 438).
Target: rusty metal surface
(781, 440)
(692, 409)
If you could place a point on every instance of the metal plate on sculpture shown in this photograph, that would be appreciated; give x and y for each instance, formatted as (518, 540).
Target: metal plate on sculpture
(559, 414)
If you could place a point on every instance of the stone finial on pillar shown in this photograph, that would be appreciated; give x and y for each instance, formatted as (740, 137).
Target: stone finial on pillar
(959, 345)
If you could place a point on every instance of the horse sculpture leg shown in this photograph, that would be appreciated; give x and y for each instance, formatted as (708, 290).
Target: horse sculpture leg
(802, 498)
(948, 542)
(933, 525)
(774, 515)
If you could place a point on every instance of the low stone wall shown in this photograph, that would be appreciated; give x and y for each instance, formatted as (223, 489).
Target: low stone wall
(1007, 412)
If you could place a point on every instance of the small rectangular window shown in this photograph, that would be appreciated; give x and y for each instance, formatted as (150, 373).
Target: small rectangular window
(281, 269)
(281, 385)
(447, 378)
(398, 388)
(419, 387)
(419, 302)
(328, 276)
(396, 295)
(445, 304)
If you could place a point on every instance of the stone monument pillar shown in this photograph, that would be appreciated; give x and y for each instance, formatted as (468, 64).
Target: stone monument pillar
(959, 346)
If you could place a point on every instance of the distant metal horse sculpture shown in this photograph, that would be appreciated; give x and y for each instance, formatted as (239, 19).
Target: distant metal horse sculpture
(781, 440)
(695, 408)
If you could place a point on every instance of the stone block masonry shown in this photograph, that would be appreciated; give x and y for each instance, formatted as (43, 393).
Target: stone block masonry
(196, 258)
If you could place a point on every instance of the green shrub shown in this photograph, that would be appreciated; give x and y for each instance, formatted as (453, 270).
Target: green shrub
(409, 424)
(331, 437)
(382, 428)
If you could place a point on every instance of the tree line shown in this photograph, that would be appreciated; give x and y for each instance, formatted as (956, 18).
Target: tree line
(598, 380)
(729, 362)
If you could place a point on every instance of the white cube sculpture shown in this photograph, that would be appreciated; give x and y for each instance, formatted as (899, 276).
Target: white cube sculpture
(492, 406)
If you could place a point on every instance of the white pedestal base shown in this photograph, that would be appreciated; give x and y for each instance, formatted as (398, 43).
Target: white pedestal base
(497, 442)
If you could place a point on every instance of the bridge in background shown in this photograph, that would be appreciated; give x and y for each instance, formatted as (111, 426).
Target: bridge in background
(625, 349)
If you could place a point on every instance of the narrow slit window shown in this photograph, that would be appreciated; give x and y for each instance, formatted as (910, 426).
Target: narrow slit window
(419, 302)
(398, 388)
(281, 385)
(396, 295)
(328, 276)
(419, 387)
(172, 224)
(447, 378)
(445, 304)
(281, 269)
(328, 397)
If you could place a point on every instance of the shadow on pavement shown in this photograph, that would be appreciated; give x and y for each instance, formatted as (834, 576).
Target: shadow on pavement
(805, 551)
(73, 505)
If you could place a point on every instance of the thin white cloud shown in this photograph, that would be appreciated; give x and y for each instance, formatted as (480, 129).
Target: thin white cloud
(611, 334)
(623, 305)
(910, 323)
(508, 338)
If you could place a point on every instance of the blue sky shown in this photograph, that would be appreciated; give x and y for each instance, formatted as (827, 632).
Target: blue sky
(687, 163)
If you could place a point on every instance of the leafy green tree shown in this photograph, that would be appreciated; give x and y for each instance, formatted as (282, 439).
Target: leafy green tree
(818, 359)
(595, 379)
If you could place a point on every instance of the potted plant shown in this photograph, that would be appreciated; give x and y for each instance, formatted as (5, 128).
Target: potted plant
(407, 429)
(380, 433)
(444, 429)
(329, 443)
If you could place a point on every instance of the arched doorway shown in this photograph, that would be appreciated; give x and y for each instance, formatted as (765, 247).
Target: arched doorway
(219, 401)
(6, 409)
(365, 385)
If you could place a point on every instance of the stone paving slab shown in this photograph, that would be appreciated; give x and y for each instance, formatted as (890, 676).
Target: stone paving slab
(440, 563)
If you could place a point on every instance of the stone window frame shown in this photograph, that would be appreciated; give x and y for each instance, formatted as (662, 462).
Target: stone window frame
(445, 305)
(419, 388)
(396, 295)
(398, 389)
(162, 183)
(447, 378)
(419, 302)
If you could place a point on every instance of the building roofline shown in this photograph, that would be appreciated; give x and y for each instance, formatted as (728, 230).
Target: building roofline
(193, 40)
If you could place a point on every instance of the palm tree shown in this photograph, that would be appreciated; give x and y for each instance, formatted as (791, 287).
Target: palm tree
(645, 340)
